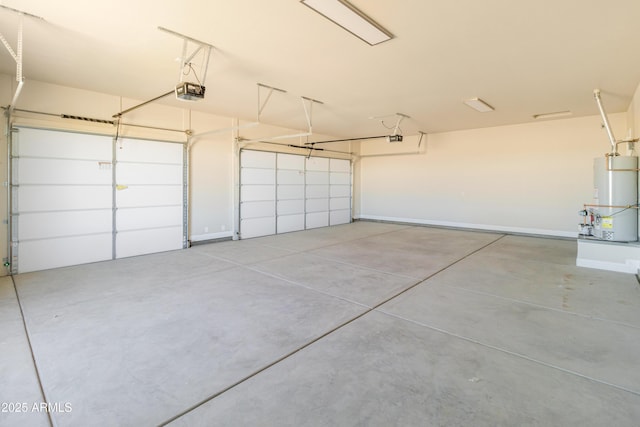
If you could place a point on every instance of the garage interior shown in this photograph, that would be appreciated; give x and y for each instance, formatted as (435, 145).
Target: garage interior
(248, 213)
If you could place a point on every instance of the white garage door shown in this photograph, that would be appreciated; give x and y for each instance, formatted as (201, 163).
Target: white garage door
(281, 192)
(63, 204)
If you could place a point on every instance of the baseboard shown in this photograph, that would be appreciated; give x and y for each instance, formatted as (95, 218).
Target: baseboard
(483, 227)
(605, 265)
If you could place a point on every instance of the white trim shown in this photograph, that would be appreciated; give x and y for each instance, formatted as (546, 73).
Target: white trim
(613, 256)
(605, 265)
(484, 227)
(211, 236)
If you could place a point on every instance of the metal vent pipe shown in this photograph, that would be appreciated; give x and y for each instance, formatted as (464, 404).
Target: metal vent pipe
(605, 121)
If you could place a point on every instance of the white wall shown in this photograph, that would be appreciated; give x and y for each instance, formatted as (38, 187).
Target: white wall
(530, 178)
(211, 178)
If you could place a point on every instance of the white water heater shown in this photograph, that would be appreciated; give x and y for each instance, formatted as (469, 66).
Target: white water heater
(615, 203)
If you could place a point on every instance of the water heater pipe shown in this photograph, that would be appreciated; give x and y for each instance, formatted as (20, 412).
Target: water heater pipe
(605, 121)
(612, 206)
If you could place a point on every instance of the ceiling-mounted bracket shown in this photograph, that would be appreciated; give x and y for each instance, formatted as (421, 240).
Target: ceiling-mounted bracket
(308, 113)
(400, 118)
(270, 90)
(422, 134)
(16, 55)
(186, 58)
(307, 106)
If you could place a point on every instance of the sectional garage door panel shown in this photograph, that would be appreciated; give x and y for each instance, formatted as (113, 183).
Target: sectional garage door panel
(256, 227)
(49, 144)
(280, 192)
(258, 193)
(45, 198)
(149, 174)
(290, 207)
(317, 164)
(290, 162)
(141, 242)
(340, 165)
(62, 197)
(151, 219)
(50, 225)
(289, 223)
(317, 178)
(339, 203)
(340, 178)
(339, 217)
(62, 171)
(258, 176)
(291, 192)
(258, 209)
(258, 159)
(140, 151)
(52, 253)
(317, 220)
(157, 217)
(137, 196)
(340, 191)
(317, 205)
(291, 177)
(317, 192)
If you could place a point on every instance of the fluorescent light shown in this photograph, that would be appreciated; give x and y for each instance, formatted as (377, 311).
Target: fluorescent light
(344, 14)
(478, 105)
(552, 115)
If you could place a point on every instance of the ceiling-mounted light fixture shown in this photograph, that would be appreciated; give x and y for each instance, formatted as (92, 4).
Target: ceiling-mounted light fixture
(552, 115)
(478, 105)
(344, 14)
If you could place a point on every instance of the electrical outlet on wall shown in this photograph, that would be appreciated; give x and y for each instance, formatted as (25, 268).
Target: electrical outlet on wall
(206, 229)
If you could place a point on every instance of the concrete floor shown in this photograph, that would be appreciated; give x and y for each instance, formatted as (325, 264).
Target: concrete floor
(364, 324)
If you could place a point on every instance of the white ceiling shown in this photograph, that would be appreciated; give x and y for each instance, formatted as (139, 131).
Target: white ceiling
(522, 57)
